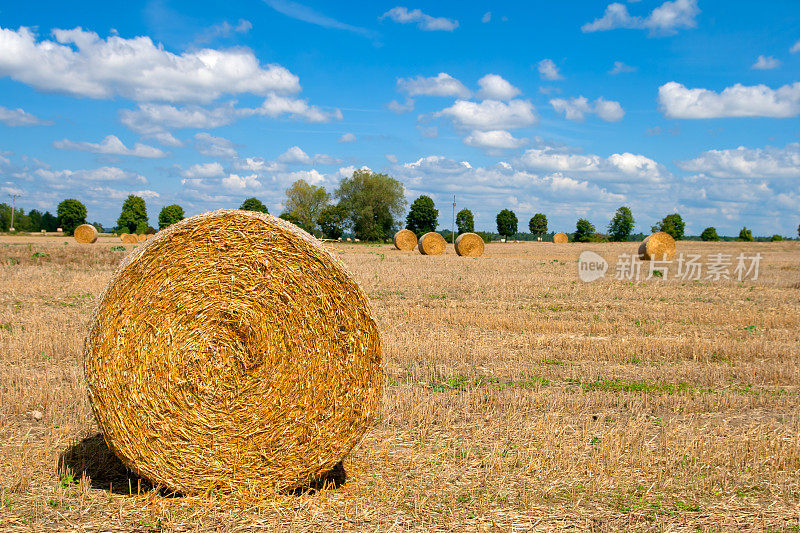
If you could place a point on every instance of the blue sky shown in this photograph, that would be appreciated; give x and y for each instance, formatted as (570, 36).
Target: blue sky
(567, 108)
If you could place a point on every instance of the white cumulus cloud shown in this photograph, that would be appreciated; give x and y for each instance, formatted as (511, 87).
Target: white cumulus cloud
(490, 114)
(578, 107)
(494, 87)
(347, 138)
(744, 162)
(620, 67)
(766, 63)
(665, 19)
(111, 145)
(20, 117)
(493, 140)
(212, 146)
(548, 70)
(206, 170)
(80, 63)
(402, 15)
(677, 101)
(442, 84)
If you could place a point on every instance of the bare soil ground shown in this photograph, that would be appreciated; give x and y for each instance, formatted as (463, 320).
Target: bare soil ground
(518, 398)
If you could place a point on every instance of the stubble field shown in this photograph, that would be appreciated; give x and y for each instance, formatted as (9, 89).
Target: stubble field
(517, 398)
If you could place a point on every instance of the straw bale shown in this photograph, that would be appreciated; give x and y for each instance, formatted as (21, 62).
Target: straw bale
(129, 238)
(405, 240)
(249, 361)
(469, 244)
(560, 238)
(658, 246)
(85, 234)
(431, 243)
(141, 237)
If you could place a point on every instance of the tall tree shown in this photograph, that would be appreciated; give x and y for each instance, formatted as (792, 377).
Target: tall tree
(35, 217)
(583, 231)
(306, 202)
(709, 234)
(71, 214)
(423, 216)
(746, 235)
(331, 221)
(373, 204)
(465, 221)
(253, 204)
(49, 221)
(506, 223)
(538, 224)
(621, 226)
(169, 215)
(133, 217)
(672, 224)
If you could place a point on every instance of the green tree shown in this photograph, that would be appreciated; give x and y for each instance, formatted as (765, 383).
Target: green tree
(169, 215)
(49, 221)
(71, 214)
(21, 220)
(745, 235)
(35, 218)
(5, 217)
(290, 217)
(798, 231)
(253, 204)
(584, 231)
(709, 234)
(331, 221)
(133, 217)
(538, 224)
(465, 221)
(776, 238)
(672, 224)
(372, 202)
(423, 216)
(507, 223)
(306, 202)
(621, 226)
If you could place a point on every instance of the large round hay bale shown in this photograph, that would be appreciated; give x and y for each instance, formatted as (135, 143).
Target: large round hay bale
(129, 238)
(469, 244)
(141, 237)
(431, 243)
(659, 246)
(85, 234)
(248, 362)
(405, 240)
(560, 238)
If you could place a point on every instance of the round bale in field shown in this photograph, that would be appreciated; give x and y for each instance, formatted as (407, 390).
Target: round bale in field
(405, 240)
(560, 238)
(659, 246)
(249, 362)
(469, 244)
(85, 234)
(141, 237)
(432, 243)
(129, 238)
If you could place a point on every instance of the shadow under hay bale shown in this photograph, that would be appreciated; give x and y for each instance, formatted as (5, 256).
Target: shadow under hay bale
(330, 480)
(92, 457)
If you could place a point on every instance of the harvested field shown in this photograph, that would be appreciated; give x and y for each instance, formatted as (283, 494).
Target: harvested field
(517, 398)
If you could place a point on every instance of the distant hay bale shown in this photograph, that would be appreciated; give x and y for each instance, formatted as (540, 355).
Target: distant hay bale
(141, 237)
(405, 240)
(249, 362)
(469, 244)
(129, 238)
(659, 246)
(560, 238)
(431, 243)
(85, 234)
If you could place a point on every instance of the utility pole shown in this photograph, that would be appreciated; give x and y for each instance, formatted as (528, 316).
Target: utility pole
(13, 197)
(454, 220)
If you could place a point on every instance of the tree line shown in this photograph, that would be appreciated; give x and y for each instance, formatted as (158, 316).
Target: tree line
(369, 205)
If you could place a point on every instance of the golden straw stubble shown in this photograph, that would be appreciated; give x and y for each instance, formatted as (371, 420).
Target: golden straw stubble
(405, 240)
(85, 234)
(659, 246)
(431, 243)
(249, 362)
(469, 244)
(560, 238)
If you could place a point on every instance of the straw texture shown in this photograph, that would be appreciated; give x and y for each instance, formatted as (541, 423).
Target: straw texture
(469, 244)
(432, 244)
(85, 234)
(129, 238)
(249, 361)
(141, 237)
(560, 238)
(405, 240)
(658, 246)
